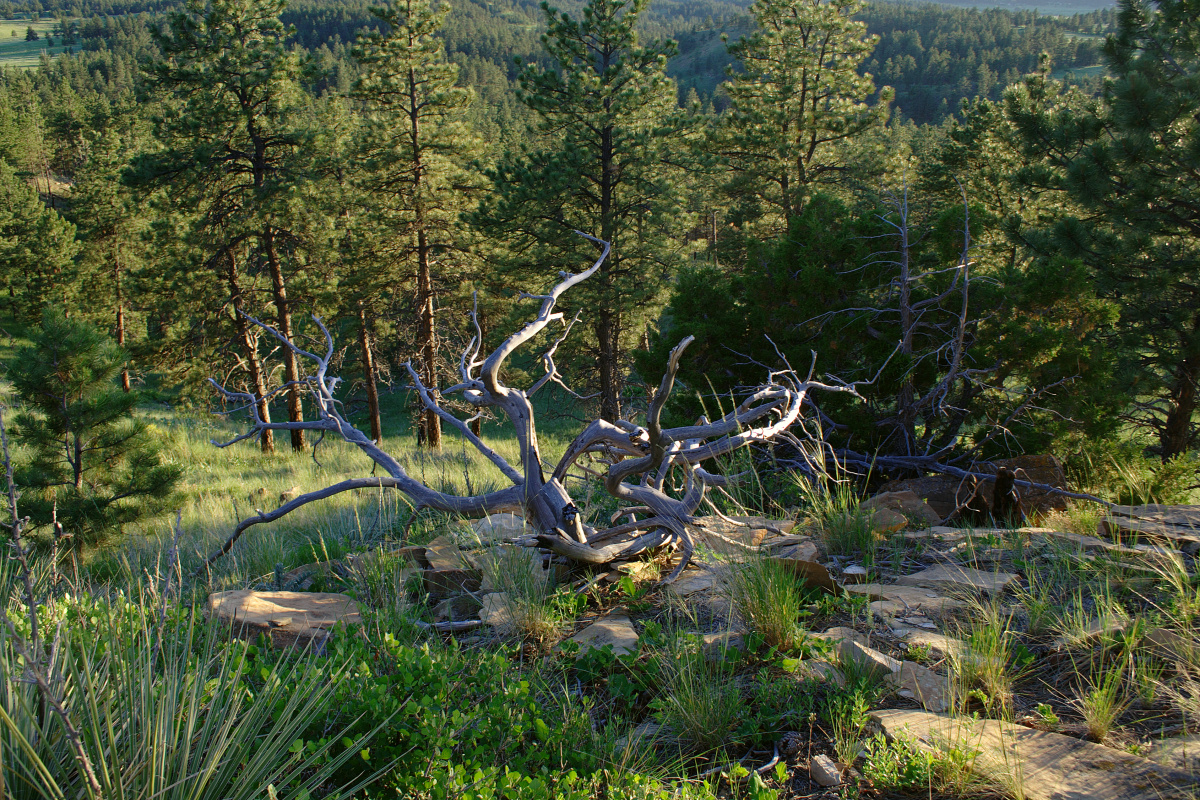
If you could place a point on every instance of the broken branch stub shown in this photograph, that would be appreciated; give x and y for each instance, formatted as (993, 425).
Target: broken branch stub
(654, 469)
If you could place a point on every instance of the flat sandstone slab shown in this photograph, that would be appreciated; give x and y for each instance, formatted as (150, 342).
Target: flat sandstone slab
(954, 577)
(614, 629)
(287, 618)
(891, 600)
(1039, 765)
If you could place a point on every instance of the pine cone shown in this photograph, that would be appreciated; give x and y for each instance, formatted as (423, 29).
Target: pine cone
(790, 744)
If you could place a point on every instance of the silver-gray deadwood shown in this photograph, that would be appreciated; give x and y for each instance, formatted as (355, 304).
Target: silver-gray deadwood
(635, 462)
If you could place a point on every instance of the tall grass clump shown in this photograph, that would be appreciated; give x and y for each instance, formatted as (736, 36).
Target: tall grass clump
(843, 527)
(1101, 701)
(701, 706)
(984, 667)
(525, 593)
(767, 597)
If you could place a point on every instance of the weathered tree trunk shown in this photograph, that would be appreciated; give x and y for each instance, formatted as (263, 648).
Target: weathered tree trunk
(645, 464)
(1176, 436)
(907, 412)
(284, 321)
(368, 367)
(249, 342)
(120, 311)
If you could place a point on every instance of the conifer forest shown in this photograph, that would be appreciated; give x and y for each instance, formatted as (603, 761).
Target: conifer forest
(599, 399)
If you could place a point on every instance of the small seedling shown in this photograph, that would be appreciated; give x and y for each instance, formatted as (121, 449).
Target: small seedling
(1047, 717)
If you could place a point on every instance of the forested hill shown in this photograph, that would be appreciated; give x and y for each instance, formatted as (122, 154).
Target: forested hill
(395, 171)
(934, 56)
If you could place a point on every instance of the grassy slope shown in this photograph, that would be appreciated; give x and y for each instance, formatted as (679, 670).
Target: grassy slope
(16, 52)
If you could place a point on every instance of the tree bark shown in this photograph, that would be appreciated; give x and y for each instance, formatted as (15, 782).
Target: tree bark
(1176, 436)
(368, 367)
(120, 312)
(429, 429)
(249, 345)
(608, 320)
(284, 321)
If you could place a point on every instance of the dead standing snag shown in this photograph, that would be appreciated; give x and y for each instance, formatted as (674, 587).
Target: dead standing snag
(656, 473)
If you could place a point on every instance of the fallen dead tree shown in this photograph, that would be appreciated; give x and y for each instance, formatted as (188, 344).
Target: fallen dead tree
(658, 475)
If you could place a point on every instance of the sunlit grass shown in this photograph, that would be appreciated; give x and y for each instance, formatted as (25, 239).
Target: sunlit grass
(223, 485)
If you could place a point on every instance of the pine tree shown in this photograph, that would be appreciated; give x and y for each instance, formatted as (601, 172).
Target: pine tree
(612, 132)
(93, 466)
(797, 95)
(1123, 161)
(37, 250)
(233, 155)
(111, 227)
(413, 180)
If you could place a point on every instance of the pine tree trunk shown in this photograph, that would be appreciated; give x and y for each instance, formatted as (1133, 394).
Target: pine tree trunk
(906, 413)
(368, 368)
(430, 426)
(249, 345)
(284, 322)
(1176, 435)
(120, 312)
(608, 320)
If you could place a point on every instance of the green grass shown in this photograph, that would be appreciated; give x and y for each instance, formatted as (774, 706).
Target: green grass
(16, 52)
(224, 485)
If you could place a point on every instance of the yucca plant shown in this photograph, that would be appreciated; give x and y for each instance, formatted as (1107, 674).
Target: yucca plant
(167, 712)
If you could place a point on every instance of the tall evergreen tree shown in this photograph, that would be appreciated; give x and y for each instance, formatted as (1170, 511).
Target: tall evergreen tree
(93, 466)
(612, 133)
(1127, 161)
(233, 133)
(797, 95)
(37, 250)
(414, 180)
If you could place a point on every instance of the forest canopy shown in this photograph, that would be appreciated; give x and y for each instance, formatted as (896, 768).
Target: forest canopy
(937, 197)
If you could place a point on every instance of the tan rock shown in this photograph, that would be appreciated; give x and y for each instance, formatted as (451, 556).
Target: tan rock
(444, 553)
(615, 629)
(714, 531)
(1040, 765)
(927, 687)
(824, 771)
(499, 526)
(936, 642)
(820, 670)
(802, 549)
(717, 645)
(1096, 629)
(287, 618)
(646, 733)
(445, 582)
(953, 577)
(456, 608)
(889, 599)
(886, 520)
(1167, 643)
(1180, 752)
(842, 634)
(937, 533)
(907, 503)
(812, 573)
(1176, 526)
(694, 580)
(497, 610)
